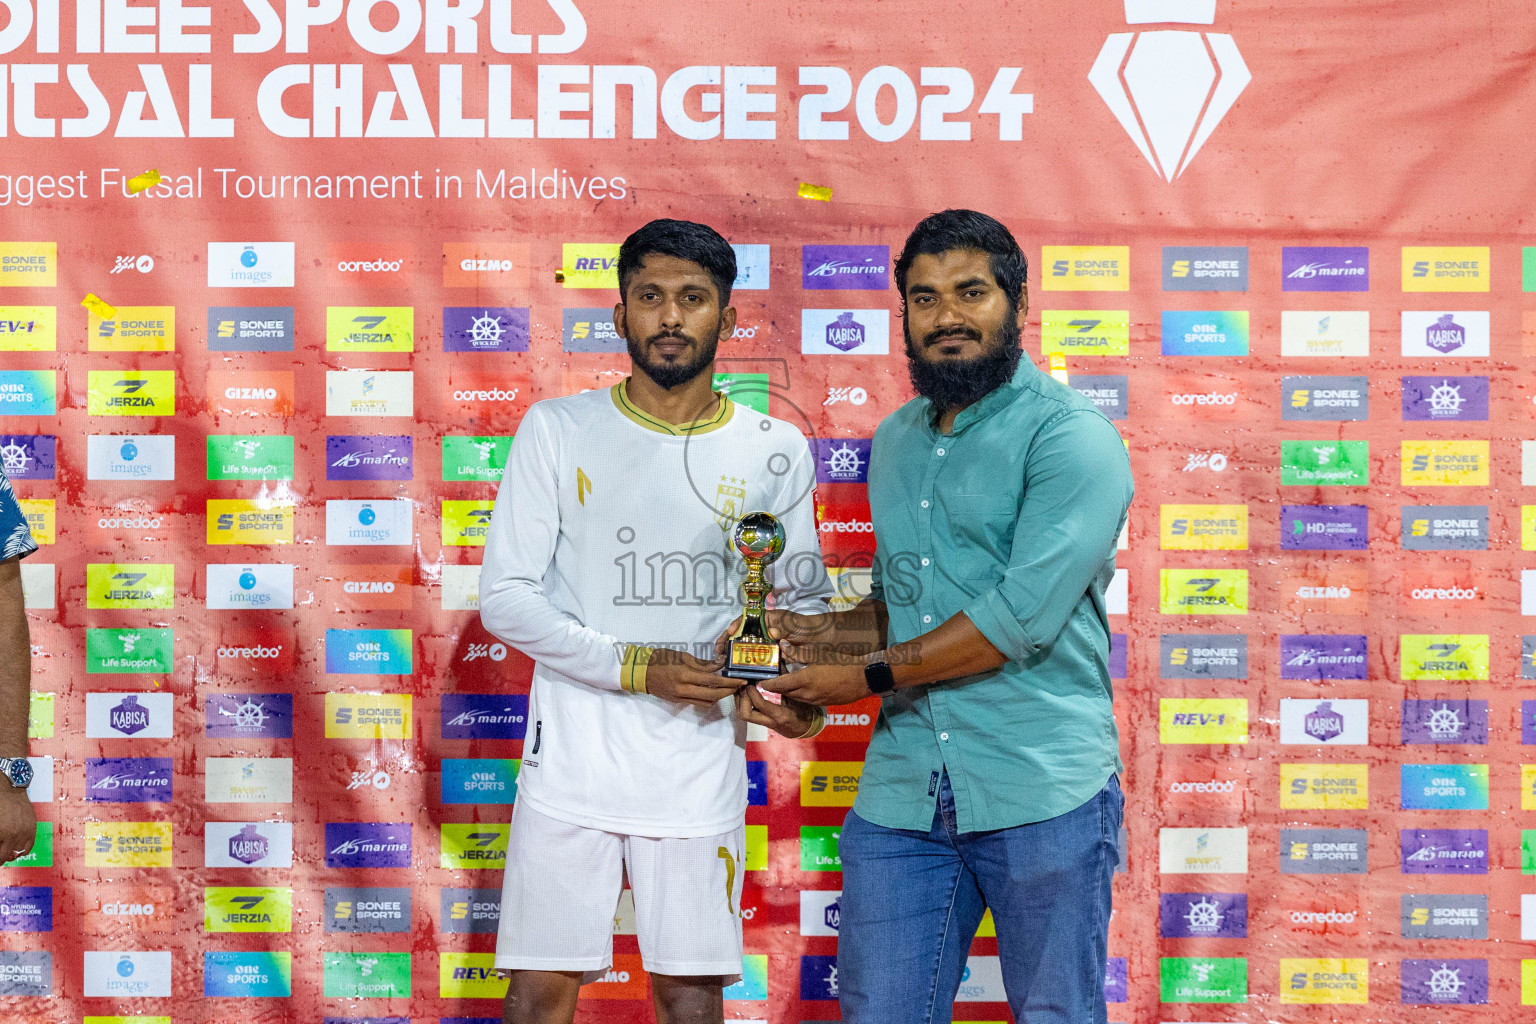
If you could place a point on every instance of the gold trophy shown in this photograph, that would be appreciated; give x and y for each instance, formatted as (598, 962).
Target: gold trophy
(754, 656)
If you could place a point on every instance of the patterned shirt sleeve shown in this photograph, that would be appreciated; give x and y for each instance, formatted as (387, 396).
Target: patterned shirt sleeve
(15, 536)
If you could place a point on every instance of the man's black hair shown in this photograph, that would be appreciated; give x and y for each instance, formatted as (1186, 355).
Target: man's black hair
(685, 240)
(966, 229)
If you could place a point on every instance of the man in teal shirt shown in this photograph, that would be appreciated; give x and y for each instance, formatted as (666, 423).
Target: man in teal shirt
(991, 781)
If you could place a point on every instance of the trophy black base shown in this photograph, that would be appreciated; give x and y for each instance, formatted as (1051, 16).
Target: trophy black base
(753, 661)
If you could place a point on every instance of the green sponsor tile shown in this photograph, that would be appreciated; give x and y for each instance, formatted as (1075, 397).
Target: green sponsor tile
(250, 457)
(128, 650)
(818, 848)
(1325, 463)
(42, 849)
(748, 389)
(367, 975)
(1204, 979)
(476, 458)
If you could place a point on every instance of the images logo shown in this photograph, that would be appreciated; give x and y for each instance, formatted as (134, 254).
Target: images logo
(1444, 851)
(1205, 268)
(1444, 787)
(1203, 591)
(1325, 269)
(135, 329)
(1445, 528)
(1324, 528)
(118, 974)
(141, 457)
(474, 846)
(864, 332)
(1445, 268)
(369, 393)
(1163, 87)
(590, 264)
(249, 521)
(29, 264)
(250, 264)
(1205, 333)
(368, 716)
(1330, 399)
(131, 392)
(1203, 656)
(29, 329)
(1325, 463)
(485, 329)
(1323, 851)
(1324, 980)
(1204, 527)
(368, 523)
(1202, 720)
(237, 585)
(1328, 787)
(845, 267)
(109, 585)
(1311, 333)
(1445, 463)
(1323, 657)
(469, 716)
(1085, 332)
(1203, 915)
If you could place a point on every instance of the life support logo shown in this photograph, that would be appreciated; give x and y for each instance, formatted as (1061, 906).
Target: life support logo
(1163, 86)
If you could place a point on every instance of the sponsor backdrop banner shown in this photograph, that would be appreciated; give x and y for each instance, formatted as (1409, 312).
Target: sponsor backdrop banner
(276, 751)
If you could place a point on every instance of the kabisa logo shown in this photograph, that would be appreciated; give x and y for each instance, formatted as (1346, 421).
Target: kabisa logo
(1444, 399)
(1203, 915)
(367, 845)
(250, 264)
(1163, 87)
(129, 717)
(249, 715)
(864, 332)
(845, 267)
(1337, 722)
(485, 329)
(1443, 982)
(1436, 334)
(249, 846)
(1444, 851)
(842, 460)
(474, 846)
(29, 456)
(1205, 268)
(1331, 399)
(1323, 851)
(368, 457)
(472, 716)
(1322, 657)
(1445, 721)
(1325, 269)
(1085, 332)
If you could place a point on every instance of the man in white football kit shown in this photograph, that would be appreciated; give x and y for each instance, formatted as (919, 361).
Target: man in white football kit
(609, 559)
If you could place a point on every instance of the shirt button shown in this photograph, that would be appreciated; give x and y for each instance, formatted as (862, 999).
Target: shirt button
(925, 503)
(944, 736)
(941, 451)
(927, 618)
(925, 561)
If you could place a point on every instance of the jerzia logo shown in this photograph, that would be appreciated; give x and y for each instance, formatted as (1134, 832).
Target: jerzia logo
(1163, 87)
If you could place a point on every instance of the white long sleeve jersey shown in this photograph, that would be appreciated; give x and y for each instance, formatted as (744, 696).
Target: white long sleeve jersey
(611, 529)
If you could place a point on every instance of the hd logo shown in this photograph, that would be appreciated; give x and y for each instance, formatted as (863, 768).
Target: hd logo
(1445, 268)
(1445, 463)
(1204, 528)
(829, 783)
(246, 521)
(370, 329)
(1087, 268)
(109, 585)
(131, 392)
(1202, 720)
(1085, 332)
(1434, 656)
(134, 329)
(1328, 787)
(1203, 591)
(466, 523)
(474, 846)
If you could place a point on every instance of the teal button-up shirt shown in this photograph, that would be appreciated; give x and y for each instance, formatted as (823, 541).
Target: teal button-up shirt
(1012, 518)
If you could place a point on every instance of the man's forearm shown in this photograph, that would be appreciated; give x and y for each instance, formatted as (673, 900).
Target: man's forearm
(15, 663)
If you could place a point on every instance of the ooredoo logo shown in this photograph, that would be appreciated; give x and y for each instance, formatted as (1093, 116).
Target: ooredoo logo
(371, 264)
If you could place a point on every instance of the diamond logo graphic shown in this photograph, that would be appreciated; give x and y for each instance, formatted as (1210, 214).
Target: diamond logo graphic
(1169, 89)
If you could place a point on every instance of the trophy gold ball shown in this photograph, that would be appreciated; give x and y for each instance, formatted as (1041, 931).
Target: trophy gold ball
(754, 655)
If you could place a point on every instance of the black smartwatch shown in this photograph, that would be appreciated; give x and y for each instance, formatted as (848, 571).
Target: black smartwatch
(879, 678)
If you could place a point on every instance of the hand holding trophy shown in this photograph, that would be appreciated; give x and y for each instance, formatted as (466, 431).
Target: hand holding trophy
(754, 655)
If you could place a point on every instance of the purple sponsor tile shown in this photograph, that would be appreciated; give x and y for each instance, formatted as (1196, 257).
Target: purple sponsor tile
(1445, 721)
(1528, 722)
(1446, 399)
(1313, 268)
(1117, 980)
(1324, 528)
(842, 460)
(26, 909)
(29, 456)
(1443, 982)
(1323, 657)
(485, 329)
(1203, 915)
(128, 780)
(253, 715)
(1118, 668)
(367, 844)
(368, 457)
(845, 267)
(484, 716)
(1444, 851)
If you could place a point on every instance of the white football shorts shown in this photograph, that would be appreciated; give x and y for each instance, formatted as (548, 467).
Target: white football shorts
(561, 891)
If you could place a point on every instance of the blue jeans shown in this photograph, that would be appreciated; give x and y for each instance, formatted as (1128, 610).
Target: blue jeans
(912, 902)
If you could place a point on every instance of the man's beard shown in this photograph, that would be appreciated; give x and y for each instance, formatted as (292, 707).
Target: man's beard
(670, 375)
(955, 383)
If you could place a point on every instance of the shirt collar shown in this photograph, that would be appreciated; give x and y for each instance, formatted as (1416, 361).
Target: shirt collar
(989, 404)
